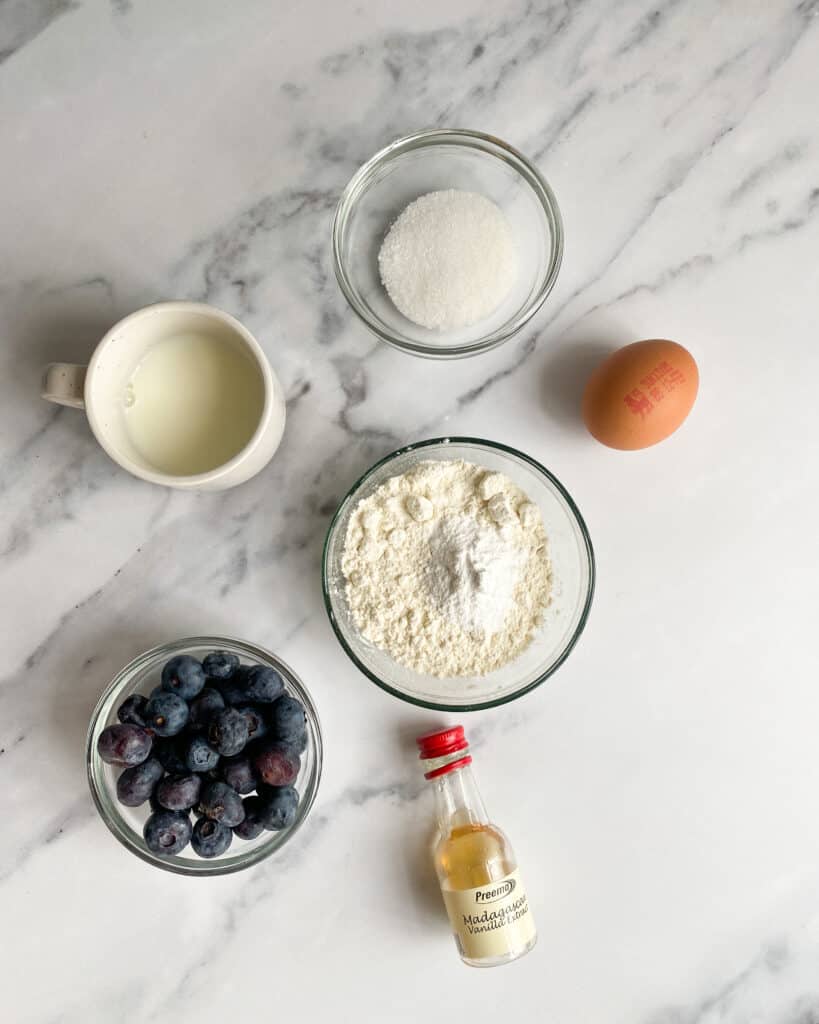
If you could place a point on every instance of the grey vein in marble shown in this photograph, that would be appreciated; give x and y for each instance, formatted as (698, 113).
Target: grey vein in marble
(21, 21)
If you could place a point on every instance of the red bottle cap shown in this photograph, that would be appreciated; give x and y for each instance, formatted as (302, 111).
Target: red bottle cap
(442, 742)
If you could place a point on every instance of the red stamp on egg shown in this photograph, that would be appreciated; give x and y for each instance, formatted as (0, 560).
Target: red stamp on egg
(639, 402)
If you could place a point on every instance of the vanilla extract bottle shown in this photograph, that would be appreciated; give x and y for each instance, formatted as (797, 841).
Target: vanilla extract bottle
(476, 866)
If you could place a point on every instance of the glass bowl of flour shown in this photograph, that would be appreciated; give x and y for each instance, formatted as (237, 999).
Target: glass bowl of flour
(458, 574)
(427, 230)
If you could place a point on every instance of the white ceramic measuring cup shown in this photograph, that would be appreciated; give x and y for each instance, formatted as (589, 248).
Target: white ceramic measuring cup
(100, 389)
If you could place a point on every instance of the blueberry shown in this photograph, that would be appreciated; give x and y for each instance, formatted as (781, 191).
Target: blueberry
(253, 825)
(222, 803)
(287, 718)
(256, 725)
(135, 785)
(200, 756)
(179, 792)
(264, 685)
(167, 714)
(171, 751)
(277, 765)
(205, 706)
(220, 664)
(279, 806)
(238, 773)
(234, 690)
(124, 744)
(296, 744)
(132, 710)
(167, 832)
(228, 731)
(253, 748)
(184, 676)
(210, 838)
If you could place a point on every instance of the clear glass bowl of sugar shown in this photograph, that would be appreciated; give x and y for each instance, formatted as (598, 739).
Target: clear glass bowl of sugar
(432, 161)
(573, 574)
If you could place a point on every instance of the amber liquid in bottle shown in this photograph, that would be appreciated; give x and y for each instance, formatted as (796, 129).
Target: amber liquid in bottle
(477, 872)
(473, 855)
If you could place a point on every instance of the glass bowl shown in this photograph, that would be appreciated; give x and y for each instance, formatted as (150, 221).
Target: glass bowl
(426, 162)
(141, 676)
(573, 571)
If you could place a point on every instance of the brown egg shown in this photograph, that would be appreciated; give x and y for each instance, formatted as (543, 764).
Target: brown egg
(640, 394)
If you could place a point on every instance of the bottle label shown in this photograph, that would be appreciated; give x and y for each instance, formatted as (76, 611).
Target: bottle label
(492, 920)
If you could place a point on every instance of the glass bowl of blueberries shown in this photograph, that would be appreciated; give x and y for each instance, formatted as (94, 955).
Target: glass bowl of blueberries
(204, 755)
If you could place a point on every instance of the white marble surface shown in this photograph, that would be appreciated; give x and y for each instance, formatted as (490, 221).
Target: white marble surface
(662, 788)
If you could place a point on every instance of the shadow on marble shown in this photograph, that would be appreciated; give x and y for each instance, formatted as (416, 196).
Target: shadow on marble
(38, 337)
(419, 875)
(61, 323)
(564, 377)
(321, 496)
(415, 852)
(87, 677)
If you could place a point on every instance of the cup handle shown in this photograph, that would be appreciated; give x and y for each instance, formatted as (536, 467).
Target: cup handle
(64, 383)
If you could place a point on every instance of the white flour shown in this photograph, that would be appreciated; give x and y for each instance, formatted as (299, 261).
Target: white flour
(447, 569)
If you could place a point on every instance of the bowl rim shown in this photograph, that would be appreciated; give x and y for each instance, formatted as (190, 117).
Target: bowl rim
(253, 855)
(581, 623)
(492, 146)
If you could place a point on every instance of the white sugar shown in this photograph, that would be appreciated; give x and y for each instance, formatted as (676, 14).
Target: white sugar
(448, 260)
